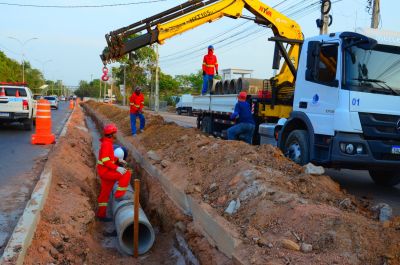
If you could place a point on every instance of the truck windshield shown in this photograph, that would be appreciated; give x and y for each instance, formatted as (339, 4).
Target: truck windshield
(373, 71)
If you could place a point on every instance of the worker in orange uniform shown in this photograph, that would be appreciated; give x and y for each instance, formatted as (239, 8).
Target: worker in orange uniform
(136, 110)
(210, 63)
(110, 172)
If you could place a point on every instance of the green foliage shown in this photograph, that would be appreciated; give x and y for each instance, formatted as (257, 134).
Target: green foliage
(11, 71)
(90, 89)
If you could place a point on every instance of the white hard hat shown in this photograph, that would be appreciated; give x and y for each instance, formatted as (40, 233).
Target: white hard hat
(119, 153)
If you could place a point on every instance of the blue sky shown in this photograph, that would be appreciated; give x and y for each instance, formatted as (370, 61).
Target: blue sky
(73, 38)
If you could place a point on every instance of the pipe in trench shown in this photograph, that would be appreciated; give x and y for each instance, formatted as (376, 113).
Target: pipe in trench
(123, 219)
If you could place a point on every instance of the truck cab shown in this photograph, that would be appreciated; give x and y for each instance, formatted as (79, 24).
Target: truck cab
(346, 106)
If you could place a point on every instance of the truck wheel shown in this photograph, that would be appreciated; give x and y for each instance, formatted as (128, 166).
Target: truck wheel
(297, 147)
(179, 111)
(206, 125)
(190, 112)
(28, 124)
(386, 178)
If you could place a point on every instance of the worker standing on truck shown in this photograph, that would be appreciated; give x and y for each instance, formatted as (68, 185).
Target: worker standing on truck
(245, 125)
(210, 63)
(136, 110)
(110, 171)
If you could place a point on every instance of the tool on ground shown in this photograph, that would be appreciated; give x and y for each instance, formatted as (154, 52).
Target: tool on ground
(43, 124)
(136, 219)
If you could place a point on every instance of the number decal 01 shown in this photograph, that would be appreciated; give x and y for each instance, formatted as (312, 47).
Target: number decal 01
(355, 102)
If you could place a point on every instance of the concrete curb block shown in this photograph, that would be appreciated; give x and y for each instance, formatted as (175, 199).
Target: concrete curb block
(22, 235)
(214, 227)
(21, 238)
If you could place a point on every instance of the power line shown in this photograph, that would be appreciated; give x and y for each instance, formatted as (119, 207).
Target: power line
(81, 6)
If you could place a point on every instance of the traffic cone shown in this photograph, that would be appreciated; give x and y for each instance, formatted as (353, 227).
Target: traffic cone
(2, 92)
(71, 104)
(17, 93)
(43, 124)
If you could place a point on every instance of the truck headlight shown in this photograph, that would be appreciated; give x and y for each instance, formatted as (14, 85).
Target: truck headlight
(349, 149)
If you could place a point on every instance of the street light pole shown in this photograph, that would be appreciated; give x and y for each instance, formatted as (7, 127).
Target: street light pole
(23, 55)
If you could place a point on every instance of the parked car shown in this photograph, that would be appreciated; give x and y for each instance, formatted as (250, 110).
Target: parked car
(62, 98)
(53, 101)
(106, 99)
(37, 96)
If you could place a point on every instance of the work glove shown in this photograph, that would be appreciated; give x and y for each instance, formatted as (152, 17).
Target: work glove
(204, 73)
(121, 170)
(121, 161)
(217, 72)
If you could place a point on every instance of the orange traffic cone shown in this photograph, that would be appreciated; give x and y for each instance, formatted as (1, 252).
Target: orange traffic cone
(43, 124)
(71, 104)
(2, 92)
(17, 93)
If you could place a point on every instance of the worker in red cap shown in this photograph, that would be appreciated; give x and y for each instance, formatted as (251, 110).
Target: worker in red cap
(110, 171)
(244, 127)
(210, 63)
(136, 110)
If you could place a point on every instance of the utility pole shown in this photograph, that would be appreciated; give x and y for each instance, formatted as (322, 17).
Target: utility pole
(157, 102)
(326, 20)
(375, 14)
(23, 43)
(124, 96)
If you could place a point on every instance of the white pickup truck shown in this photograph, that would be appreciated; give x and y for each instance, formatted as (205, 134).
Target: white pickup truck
(17, 104)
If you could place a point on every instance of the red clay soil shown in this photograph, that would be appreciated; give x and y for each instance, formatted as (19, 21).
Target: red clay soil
(278, 200)
(68, 233)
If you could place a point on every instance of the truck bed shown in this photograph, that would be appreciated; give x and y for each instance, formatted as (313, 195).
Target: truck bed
(215, 103)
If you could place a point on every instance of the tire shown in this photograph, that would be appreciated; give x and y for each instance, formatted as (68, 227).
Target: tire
(190, 112)
(28, 124)
(297, 147)
(179, 111)
(206, 125)
(388, 178)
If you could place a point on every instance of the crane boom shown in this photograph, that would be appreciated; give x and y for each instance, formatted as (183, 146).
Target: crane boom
(191, 14)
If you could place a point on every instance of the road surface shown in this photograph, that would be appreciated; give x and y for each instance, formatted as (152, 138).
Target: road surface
(17, 172)
(355, 182)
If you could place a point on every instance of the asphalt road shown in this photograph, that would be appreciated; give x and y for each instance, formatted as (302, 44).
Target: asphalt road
(18, 173)
(16, 151)
(355, 182)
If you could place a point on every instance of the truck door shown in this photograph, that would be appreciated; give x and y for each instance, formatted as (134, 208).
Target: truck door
(317, 90)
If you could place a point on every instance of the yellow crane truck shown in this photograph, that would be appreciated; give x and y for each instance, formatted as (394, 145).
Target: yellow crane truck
(334, 101)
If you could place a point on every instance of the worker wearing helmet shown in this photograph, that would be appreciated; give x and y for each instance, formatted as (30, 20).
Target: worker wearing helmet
(136, 110)
(245, 125)
(110, 171)
(210, 63)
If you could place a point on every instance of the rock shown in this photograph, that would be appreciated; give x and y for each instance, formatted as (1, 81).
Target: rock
(62, 185)
(289, 244)
(153, 156)
(237, 206)
(41, 249)
(306, 248)
(203, 143)
(197, 188)
(314, 170)
(231, 207)
(180, 226)
(213, 187)
(183, 138)
(346, 203)
(383, 211)
(222, 200)
(235, 180)
(252, 191)
(54, 253)
(165, 163)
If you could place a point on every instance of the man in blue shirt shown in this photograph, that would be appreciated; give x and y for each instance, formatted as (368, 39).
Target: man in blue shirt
(245, 124)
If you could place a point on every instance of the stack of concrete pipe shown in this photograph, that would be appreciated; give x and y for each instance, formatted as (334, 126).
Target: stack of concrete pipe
(123, 219)
(234, 86)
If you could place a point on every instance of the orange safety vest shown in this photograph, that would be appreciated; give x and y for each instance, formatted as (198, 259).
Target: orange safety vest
(210, 63)
(136, 102)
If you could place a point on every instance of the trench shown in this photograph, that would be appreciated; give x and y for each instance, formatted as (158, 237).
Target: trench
(170, 246)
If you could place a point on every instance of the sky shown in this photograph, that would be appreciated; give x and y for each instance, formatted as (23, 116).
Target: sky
(69, 40)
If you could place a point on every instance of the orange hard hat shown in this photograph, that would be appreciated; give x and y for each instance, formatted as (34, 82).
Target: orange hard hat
(242, 96)
(110, 129)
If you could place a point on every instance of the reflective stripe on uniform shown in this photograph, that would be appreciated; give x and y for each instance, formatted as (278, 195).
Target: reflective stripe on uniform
(210, 65)
(122, 189)
(102, 204)
(99, 162)
(105, 159)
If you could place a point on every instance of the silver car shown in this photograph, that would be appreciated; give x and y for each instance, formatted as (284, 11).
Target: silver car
(53, 101)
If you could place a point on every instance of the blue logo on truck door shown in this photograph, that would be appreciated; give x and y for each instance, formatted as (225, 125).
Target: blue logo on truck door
(315, 99)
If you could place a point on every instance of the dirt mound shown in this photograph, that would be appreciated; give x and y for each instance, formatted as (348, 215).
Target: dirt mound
(278, 201)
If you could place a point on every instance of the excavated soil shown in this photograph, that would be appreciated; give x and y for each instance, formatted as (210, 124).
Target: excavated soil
(68, 233)
(278, 201)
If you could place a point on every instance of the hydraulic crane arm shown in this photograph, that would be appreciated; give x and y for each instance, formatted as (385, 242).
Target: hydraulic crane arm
(190, 15)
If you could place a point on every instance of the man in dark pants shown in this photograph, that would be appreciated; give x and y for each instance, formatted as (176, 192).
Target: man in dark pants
(245, 124)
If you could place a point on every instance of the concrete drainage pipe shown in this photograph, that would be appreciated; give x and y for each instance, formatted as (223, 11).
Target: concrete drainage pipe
(123, 219)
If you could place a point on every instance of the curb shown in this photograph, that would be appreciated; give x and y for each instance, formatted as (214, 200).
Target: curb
(218, 231)
(21, 238)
